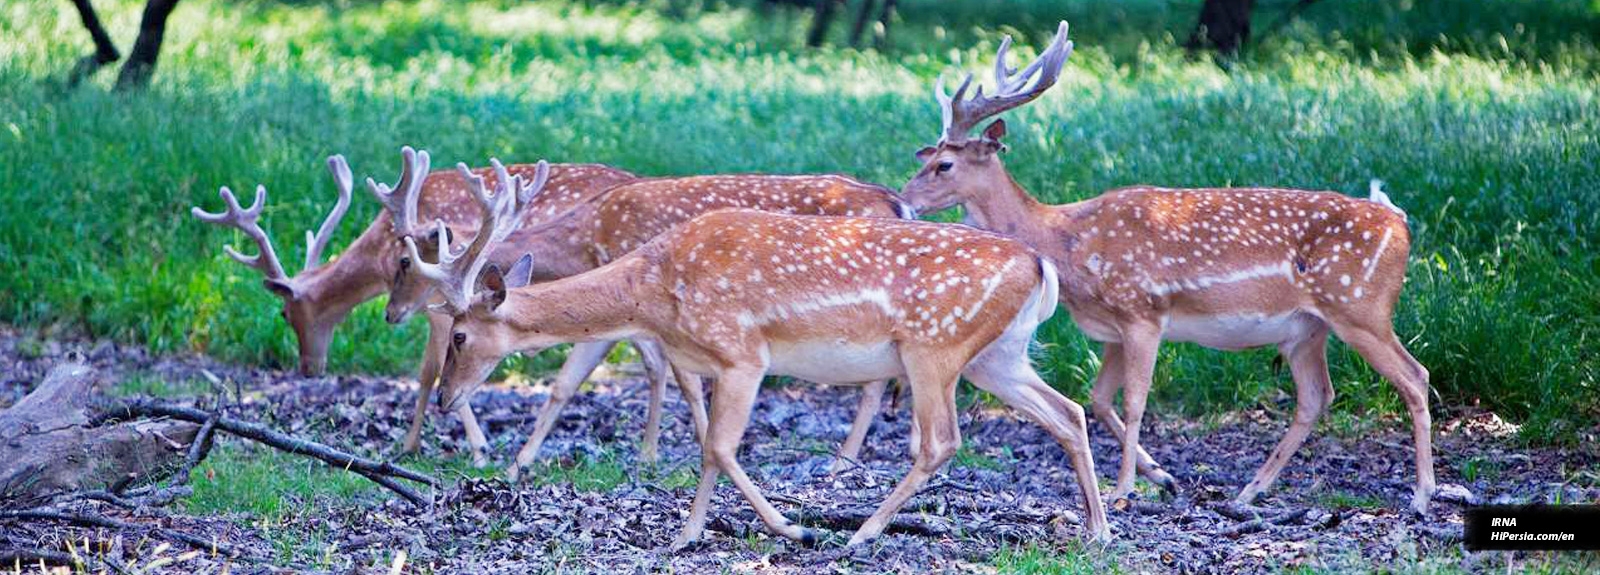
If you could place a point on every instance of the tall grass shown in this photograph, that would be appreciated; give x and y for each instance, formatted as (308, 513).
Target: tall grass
(1493, 155)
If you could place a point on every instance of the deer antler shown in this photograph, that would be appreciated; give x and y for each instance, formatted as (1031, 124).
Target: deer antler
(245, 220)
(316, 241)
(456, 273)
(401, 200)
(961, 114)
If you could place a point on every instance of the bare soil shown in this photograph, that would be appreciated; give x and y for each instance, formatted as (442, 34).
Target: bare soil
(1012, 486)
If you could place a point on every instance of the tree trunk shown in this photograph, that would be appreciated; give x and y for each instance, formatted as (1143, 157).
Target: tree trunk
(141, 62)
(884, 17)
(821, 22)
(1224, 25)
(47, 445)
(863, 16)
(105, 51)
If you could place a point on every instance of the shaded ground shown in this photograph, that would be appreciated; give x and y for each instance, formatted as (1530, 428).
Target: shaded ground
(1009, 489)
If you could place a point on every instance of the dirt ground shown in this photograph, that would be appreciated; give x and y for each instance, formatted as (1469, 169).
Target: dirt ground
(1011, 487)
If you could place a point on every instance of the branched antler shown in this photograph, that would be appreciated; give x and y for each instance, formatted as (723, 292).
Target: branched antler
(456, 273)
(961, 114)
(315, 242)
(245, 220)
(401, 200)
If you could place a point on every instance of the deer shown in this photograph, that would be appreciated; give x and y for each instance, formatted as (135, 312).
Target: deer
(1227, 268)
(613, 223)
(322, 294)
(738, 294)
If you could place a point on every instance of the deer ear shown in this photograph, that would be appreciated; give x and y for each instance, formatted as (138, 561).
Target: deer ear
(926, 153)
(995, 131)
(521, 272)
(281, 288)
(494, 285)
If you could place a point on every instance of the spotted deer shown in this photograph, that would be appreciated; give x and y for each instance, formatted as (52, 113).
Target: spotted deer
(614, 223)
(1228, 268)
(739, 294)
(318, 299)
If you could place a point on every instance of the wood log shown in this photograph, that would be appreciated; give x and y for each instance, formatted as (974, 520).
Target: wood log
(48, 445)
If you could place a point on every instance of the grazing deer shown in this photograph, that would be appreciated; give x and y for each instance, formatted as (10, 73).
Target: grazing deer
(318, 299)
(740, 294)
(614, 223)
(1228, 268)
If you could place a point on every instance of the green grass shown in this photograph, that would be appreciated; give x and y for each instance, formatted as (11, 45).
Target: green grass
(584, 473)
(1072, 559)
(1342, 500)
(154, 386)
(267, 484)
(1482, 117)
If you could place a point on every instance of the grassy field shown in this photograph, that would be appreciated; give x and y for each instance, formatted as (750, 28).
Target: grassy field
(1486, 127)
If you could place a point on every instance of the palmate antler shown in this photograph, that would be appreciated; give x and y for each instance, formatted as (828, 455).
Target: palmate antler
(1011, 87)
(247, 221)
(456, 273)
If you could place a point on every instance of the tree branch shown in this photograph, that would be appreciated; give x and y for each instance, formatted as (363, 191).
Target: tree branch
(380, 472)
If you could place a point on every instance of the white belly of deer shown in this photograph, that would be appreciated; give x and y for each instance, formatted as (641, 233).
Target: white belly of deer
(1239, 331)
(835, 361)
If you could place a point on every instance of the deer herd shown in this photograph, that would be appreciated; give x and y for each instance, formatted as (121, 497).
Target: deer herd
(833, 280)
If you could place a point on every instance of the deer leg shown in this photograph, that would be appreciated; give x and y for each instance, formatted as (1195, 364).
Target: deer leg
(432, 359)
(933, 408)
(1139, 345)
(475, 438)
(1308, 361)
(656, 370)
(580, 362)
(709, 473)
(1106, 384)
(1009, 377)
(866, 412)
(1389, 358)
(735, 396)
(694, 393)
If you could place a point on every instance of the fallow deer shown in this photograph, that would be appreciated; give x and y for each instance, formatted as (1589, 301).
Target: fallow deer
(740, 294)
(1228, 268)
(625, 217)
(317, 299)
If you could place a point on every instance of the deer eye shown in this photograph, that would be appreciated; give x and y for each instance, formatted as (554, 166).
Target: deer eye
(460, 338)
(945, 166)
(405, 263)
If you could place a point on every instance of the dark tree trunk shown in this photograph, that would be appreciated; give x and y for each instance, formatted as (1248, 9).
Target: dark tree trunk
(821, 22)
(105, 52)
(863, 16)
(1224, 25)
(884, 16)
(142, 60)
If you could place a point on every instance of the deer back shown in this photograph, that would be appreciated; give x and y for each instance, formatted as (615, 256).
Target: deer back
(1237, 250)
(742, 276)
(632, 214)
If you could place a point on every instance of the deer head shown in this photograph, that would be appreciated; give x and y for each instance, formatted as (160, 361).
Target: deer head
(311, 321)
(453, 274)
(958, 166)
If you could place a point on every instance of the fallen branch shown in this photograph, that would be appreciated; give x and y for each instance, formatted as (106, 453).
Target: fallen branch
(98, 521)
(381, 472)
(918, 524)
(1262, 523)
(25, 558)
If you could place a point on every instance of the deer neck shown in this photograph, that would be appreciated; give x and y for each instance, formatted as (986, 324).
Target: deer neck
(561, 246)
(357, 274)
(607, 303)
(1009, 209)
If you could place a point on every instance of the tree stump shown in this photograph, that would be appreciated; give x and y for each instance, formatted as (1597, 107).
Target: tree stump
(48, 445)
